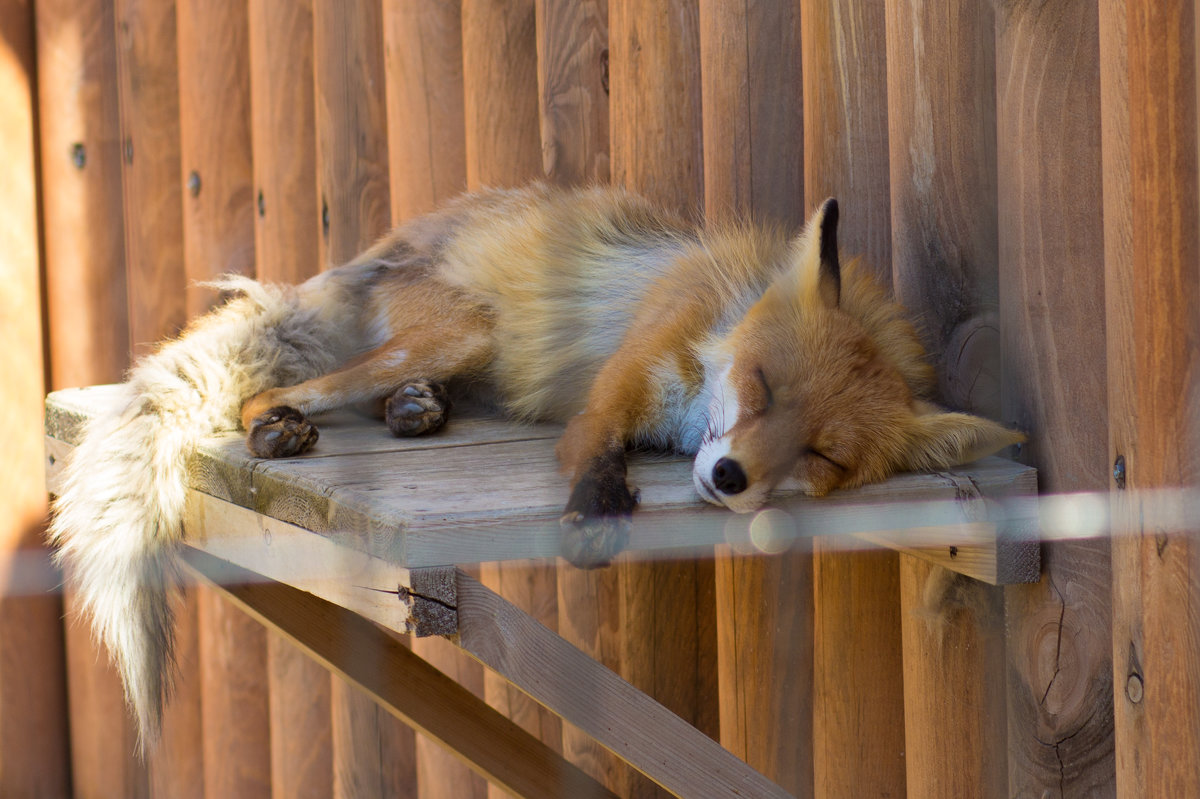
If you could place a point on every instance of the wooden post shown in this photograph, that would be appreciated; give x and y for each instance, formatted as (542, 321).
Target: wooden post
(1048, 155)
(373, 753)
(858, 691)
(33, 718)
(753, 163)
(942, 142)
(1153, 330)
(667, 608)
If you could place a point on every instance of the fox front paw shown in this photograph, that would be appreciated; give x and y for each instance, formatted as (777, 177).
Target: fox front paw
(595, 525)
(417, 408)
(281, 432)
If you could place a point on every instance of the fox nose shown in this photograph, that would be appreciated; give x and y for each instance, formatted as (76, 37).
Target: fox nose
(728, 476)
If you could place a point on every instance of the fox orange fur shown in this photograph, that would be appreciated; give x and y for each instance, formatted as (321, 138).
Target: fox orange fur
(758, 353)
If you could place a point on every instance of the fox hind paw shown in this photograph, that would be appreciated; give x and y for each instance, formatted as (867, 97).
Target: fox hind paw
(281, 432)
(417, 408)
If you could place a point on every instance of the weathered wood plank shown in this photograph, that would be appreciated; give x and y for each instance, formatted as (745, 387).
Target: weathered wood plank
(572, 63)
(283, 135)
(1058, 632)
(405, 685)
(410, 505)
(148, 83)
(641, 731)
(1155, 327)
(34, 754)
(423, 56)
(301, 729)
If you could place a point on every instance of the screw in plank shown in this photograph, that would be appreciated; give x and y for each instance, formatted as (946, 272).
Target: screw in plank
(128, 151)
(953, 552)
(262, 206)
(193, 183)
(1119, 472)
(79, 155)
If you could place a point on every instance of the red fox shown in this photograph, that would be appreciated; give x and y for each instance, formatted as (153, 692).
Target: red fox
(760, 354)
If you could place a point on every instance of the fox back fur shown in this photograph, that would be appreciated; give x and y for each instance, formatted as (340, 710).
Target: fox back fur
(757, 352)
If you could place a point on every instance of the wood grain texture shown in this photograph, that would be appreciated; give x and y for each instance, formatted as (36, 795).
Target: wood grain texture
(84, 254)
(374, 753)
(655, 101)
(34, 755)
(214, 123)
(283, 135)
(942, 142)
(641, 731)
(953, 696)
(752, 111)
(148, 83)
(407, 686)
(301, 727)
(846, 123)
(572, 64)
(765, 661)
(1049, 161)
(858, 691)
(500, 92)
(233, 672)
(423, 59)
(1156, 642)
(351, 120)
(440, 773)
(177, 766)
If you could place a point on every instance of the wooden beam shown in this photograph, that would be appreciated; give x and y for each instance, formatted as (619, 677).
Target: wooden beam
(401, 682)
(644, 733)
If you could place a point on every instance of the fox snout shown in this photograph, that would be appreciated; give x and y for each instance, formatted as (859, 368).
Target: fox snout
(728, 477)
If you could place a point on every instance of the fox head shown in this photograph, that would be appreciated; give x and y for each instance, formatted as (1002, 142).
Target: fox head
(819, 386)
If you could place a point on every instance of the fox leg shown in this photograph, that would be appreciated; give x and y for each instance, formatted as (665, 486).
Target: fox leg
(407, 371)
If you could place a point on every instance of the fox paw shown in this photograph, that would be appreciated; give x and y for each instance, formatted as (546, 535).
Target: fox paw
(280, 433)
(595, 524)
(418, 408)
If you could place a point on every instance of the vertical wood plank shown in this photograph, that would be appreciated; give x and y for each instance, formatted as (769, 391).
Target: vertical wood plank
(427, 150)
(351, 120)
(503, 149)
(667, 613)
(148, 82)
(218, 232)
(572, 63)
(283, 137)
(1156, 556)
(373, 753)
(846, 123)
(942, 141)
(214, 123)
(655, 101)
(81, 193)
(942, 145)
(500, 93)
(751, 92)
(858, 690)
(33, 720)
(177, 765)
(286, 236)
(1048, 155)
(426, 127)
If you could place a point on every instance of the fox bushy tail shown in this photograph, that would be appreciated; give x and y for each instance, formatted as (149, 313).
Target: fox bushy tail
(118, 516)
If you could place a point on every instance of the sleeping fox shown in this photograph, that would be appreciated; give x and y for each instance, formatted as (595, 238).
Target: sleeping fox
(761, 355)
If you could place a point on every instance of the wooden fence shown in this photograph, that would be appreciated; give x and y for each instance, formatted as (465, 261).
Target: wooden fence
(1027, 171)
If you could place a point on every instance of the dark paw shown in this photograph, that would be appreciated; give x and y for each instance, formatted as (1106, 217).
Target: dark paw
(280, 433)
(417, 408)
(595, 525)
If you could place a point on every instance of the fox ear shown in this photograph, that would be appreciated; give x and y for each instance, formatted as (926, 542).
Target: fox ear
(821, 272)
(940, 439)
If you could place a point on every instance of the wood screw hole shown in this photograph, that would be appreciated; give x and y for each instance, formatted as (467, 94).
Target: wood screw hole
(193, 183)
(1119, 472)
(78, 155)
